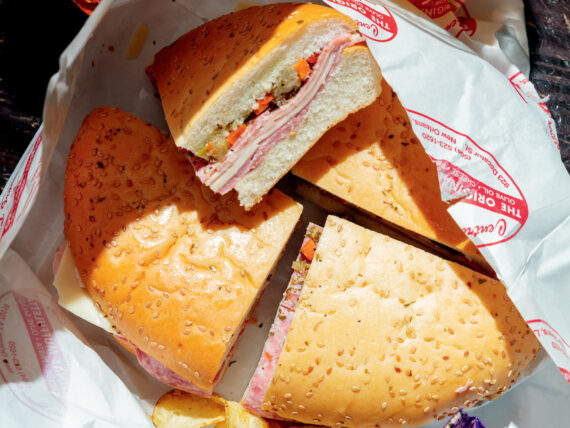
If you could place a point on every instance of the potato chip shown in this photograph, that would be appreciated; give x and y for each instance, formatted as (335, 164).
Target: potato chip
(238, 417)
(178, 409)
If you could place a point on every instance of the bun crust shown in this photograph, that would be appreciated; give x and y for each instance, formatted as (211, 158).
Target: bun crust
(388, 335)
(176, 267)
(373, 161)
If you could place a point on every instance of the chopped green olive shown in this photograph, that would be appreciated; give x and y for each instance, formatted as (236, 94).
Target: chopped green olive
(215, 149)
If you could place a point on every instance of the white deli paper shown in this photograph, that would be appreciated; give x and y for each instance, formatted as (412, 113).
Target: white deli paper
(477, 116)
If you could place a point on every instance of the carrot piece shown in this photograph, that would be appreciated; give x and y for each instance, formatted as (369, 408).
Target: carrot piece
(233, 136)
(268, 356)
(308, 249)
(303, 69)
(313, 58)
(263, 103)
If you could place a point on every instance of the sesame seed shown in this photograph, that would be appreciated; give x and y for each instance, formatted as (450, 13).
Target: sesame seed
(355, 389)
(426, 409)
(384, 405)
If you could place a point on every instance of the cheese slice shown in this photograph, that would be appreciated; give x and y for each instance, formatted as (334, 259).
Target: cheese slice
(74, 297)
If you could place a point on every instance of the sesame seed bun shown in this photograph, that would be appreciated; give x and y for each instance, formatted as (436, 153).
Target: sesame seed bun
(174, 266)
(210, 78)
(373, 161)
(388, 335)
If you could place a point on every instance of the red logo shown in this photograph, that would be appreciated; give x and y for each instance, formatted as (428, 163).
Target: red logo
(15, 191)
(467, 24)
(552, 341)
(438, 8)
(375, 22)
(500, 207)
(433, 8)
(565, 373)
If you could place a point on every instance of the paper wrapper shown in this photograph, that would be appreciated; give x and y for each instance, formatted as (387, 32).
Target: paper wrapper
(478, 117)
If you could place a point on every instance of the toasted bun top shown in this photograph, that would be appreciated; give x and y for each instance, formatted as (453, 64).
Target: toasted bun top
(388, 335)
(373, 160)
(174, 266)
(202, 64)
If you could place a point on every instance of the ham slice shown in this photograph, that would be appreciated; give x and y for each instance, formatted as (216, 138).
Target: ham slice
(253, 397)
(269, 128)
(167, 376)
(162, 373)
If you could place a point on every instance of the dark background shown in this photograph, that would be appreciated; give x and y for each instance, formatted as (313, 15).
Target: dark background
(33, 34)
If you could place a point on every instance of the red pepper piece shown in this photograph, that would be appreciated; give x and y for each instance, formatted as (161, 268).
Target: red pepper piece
(263, 103)
(233, 136)
(308, 249)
